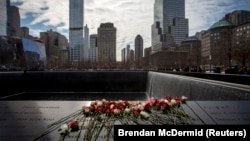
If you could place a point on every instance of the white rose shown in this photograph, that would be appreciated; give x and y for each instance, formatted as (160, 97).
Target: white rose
(99, 103)
(173, 102)
(127, 110)
(117, 111)
(144, 114)
(64, 129)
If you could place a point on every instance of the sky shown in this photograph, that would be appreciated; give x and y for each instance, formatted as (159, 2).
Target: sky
(130, 17)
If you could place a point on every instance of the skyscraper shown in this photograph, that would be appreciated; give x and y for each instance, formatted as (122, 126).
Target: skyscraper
(86, 44)
(127, 53)
(14, 21)
(131, 56)
(76, 30)
(123, 55)
(4, 5)
(93, 48)
(107, 44)
(171, 17)
(138, 47)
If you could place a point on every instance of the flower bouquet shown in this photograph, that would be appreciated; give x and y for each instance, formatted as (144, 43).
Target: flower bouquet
(101, 116)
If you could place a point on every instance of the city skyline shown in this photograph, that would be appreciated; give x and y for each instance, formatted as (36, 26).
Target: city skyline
(129, 17)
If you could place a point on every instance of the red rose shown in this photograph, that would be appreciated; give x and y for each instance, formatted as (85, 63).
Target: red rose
(147, 106)
(157, 104)
(120, 107)
(74, 124)
(108, 111)
(164, 105)
(168, 98)
(135, 112)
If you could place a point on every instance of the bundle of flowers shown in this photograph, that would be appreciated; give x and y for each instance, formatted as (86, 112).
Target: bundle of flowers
(102, 115)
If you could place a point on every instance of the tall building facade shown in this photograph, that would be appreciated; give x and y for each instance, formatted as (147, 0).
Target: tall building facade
(107, 44)
(76, 30)
(192, 45)
(171, 17)
(93, 48)
(127, 53)
(147, 51)
(56, 48)
(123, 55)
(216, 45)
(131, 56)
(86, 44)
(238, 17)
(25, 31)
(4, 6)
(161, 41)
(241, 45)
(14, 24)
(138, 47)
(14, 21)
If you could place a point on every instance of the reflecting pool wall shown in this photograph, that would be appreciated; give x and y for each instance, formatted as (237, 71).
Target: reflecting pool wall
(87, 85)
(161, 84)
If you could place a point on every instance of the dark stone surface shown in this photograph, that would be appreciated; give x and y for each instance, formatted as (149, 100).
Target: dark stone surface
(219, 112)
(226, 112)
(198, 114)
(73, 81)
(26, 120)
(233, 78)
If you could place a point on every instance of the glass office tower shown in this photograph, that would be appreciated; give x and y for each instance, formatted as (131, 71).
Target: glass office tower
(138, 47)
(4, 4)
(171, 17)
(93, 48)
(76, 29)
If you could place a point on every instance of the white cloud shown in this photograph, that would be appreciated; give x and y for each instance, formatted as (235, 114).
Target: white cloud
(35, 32)
(130, 17)
(203, 13)
(47, 12)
